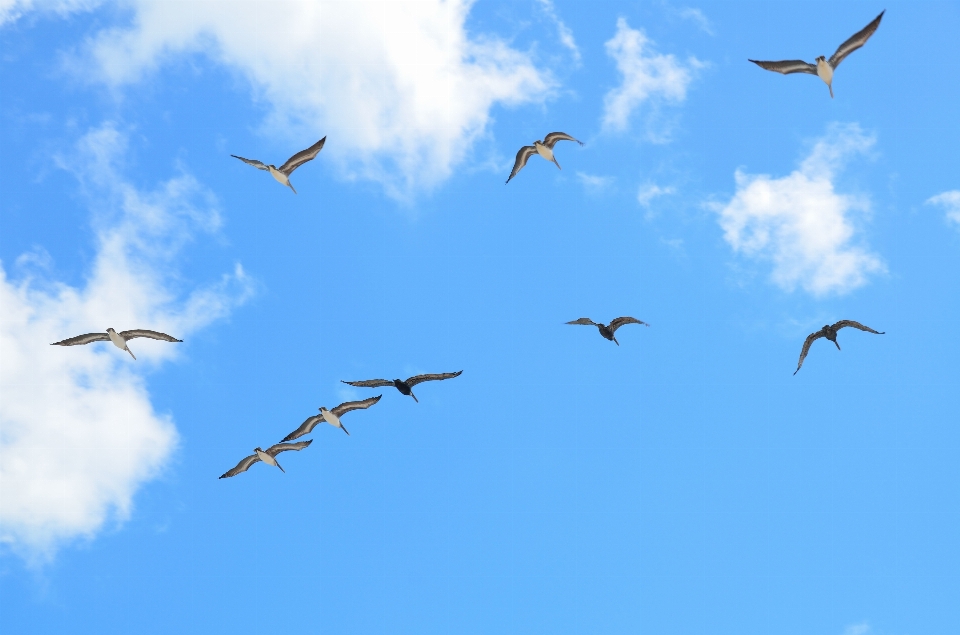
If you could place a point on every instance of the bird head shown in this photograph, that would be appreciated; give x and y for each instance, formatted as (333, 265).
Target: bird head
(822, 58)
(110, 330)
(257, 450)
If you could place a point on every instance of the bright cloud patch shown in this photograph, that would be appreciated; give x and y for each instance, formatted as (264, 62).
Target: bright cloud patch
(951, 202)
(800, 223)
(78, 434)
(647, 75)
(564, 33)
(650, 191)
(400, 88)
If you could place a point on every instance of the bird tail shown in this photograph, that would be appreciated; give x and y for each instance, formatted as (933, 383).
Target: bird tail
(558, 165)
(280, 466)
(131, 354)
(615, 341)
(291, 187)
(830, 86)
(342, 427)
(414, 397)
(838, 345)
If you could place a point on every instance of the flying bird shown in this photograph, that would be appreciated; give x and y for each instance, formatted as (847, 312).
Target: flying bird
(543, 148)
(267, 456)
(824, 67)
(608, 331)
(403, 386)
(119, 339)
(331, 416)
(282, 174)
(830, 332)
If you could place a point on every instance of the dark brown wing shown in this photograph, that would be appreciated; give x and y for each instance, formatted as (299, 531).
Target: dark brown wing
(806, 347)
(305, 428)
(788, 66)
(551, 139)
(154, 335)
(347, 406)
(522, 157)
(369, 383)
(83, 339)
(855, 42)
(856, 325)
(620, 321)
(419, 379)
(584, 321)
(242, 466)
(302, 157)
(253, 162)
(274, 450)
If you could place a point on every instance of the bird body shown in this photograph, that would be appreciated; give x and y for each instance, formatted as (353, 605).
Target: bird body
(404, 386)
(824, 68)
(543, 148)
(829, 331)
(282, 174)
(332, 419)
(607, 331)
(119, 339)
(268, 456)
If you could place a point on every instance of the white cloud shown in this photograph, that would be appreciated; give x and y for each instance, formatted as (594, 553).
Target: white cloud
(12, 10)
(800, 223)
(857, 629)
(650, 191)
(79, 434)
(949, 200)
(594, 182)
(647, 75)
(696, 15)
(564, 34)
(400, 88)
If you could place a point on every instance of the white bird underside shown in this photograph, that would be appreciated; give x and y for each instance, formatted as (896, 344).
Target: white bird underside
(543, 148)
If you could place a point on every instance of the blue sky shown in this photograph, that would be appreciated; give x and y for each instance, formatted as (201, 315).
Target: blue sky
(685, 481)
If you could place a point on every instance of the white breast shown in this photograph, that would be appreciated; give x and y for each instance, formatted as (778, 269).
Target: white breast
(266, 458)
(544, 151)
(280, 176)
(824, 71)
(330, 418)
(118, 341)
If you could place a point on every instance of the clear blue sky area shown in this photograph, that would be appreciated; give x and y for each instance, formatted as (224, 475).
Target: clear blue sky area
(685, 481)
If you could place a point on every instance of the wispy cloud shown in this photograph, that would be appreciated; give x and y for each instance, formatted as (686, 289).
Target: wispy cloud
(407, 87)
(595, 182)
(12, 10)
(800, 223)
(697, 16)
(857, 629)
(950, 201)
(564, 34)
(650, 191)
(80, 435)
(647, 76)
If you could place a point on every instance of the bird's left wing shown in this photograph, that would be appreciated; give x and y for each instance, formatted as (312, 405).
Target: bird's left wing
(419, 379)
(253, 162)
(154, 335)
(305, 428)
(855, 42)
(347, 406)
(584, 321)
(522, 157)
(620, 321)
(369, 383)
(274, 450)
(242, 466)
(806, 348)
(302, 157)
(857, 325)
(551, 139)
(788, 66)
(83, 339)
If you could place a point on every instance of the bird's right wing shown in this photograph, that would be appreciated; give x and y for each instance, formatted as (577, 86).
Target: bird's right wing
(584, 321)
(419, 379)
(620, 321)
(806, 347)
(551, 139)
(305, 428)
(253, 162)
(788, 66)
(369, 383)
(856, 325)
(347, 406)
(274, 450)
(83, 339)
(302, 157)
(154, 335)
(522, 157)
(242, 466)
(856, 41)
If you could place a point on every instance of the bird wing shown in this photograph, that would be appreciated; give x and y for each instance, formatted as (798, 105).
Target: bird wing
(154, 335)
(274, 450)
(253, 162)
(242, 466)
(83, 339)
(788, 66)
(522, 157)
(369, 383)
(305, 428)
(302, 157)
(419, 379)
(584, 321)
(856, 325)
(347, 406)
(620, 321)
(551, 139)
(806, 347)
(856, 41)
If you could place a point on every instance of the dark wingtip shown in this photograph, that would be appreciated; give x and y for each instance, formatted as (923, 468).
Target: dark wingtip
(223, 476)
(796, 371)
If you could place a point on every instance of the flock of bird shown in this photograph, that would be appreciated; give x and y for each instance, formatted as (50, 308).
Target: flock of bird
(824, 68)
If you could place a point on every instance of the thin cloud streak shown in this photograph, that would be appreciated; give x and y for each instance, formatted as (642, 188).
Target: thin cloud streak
(951, 202)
